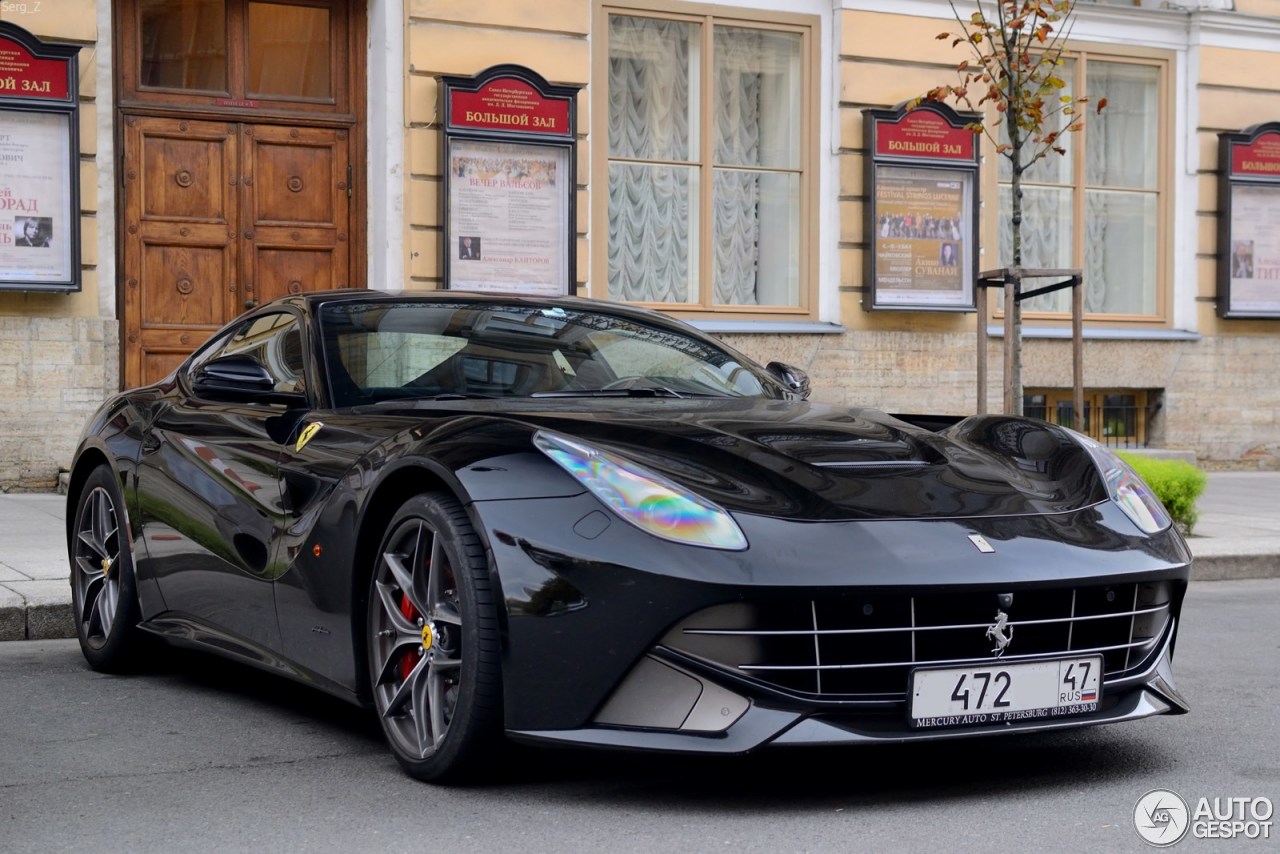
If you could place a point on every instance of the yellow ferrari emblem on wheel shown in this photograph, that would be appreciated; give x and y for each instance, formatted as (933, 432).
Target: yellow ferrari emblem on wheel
(426, 636)
(310, 430)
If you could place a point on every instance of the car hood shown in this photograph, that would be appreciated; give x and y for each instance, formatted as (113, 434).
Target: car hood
(807, 460)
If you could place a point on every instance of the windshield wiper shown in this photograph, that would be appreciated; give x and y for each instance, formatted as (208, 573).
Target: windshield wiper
(402, 397)
(639, 391)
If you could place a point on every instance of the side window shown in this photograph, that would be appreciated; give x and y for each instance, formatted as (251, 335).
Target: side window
(274, 340)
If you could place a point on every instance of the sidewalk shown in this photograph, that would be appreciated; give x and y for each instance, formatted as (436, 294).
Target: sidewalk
(35, 589)
(1238, 533)
(1238, 536)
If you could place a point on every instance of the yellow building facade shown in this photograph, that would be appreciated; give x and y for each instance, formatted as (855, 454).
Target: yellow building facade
(688, 115)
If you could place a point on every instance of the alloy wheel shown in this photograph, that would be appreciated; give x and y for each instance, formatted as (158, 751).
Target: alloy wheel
(97, 567)
(416, 638)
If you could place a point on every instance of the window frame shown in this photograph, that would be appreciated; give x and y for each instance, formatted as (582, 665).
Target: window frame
(1081, 55)
(808, 28)
(346, 36)
(1058, 404)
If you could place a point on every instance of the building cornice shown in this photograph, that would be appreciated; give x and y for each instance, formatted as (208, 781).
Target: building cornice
(1163, 28)
(1234, 30)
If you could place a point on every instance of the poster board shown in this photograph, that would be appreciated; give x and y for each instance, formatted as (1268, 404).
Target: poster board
(509, 183)
(39, 164)
(922, 213)
(1249, 222)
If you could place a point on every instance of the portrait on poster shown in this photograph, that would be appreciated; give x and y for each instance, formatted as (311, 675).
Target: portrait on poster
(508, 216)
(35, 198)
(1253, 256)
(923, 237)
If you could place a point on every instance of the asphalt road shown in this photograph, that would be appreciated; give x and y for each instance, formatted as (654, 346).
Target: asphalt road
(196, 755)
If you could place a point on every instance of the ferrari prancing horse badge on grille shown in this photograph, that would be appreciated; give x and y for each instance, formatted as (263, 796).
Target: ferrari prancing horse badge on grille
(996, 633)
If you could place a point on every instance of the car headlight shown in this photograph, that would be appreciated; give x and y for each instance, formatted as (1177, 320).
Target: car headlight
(642, 497)
(1128, 490)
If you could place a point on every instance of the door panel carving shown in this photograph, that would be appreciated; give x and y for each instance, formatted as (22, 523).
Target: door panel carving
(295, 209)
(185, 177)
(295, 183)
(181, 285)
(282, 272)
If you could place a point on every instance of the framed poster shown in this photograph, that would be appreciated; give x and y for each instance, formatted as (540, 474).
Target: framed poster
(36, 230)
(509, 183)
(1249, 223)
(923, 241)
(508, 221)
(921, 221)
(39, 164)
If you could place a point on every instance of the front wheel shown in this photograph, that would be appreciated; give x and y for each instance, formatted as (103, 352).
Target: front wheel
(104, 596)
(433, 642)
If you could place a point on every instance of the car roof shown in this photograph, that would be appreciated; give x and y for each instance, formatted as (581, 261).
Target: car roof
(314, 299)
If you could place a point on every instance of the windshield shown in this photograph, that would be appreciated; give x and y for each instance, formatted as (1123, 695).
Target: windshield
(394, 350)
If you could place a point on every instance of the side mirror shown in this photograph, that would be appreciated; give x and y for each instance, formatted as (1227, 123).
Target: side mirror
(792, 378)
(240, 378)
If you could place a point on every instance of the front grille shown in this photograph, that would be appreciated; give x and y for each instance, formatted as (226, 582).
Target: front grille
(856, 646)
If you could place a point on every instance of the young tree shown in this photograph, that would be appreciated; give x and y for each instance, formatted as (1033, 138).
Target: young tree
(1013, 69)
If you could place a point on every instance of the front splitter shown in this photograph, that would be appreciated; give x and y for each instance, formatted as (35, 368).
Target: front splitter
(761, 726)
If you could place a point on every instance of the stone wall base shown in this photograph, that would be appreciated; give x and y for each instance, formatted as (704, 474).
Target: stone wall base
(54, 372)
(1221, 395)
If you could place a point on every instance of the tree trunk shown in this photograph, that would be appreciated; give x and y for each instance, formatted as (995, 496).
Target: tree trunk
(1014, 307)
(1014, 50)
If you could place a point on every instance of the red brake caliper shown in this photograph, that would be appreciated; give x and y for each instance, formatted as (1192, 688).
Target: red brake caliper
(410, 659)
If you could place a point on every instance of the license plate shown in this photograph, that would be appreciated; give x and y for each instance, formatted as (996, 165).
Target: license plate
(999, 693)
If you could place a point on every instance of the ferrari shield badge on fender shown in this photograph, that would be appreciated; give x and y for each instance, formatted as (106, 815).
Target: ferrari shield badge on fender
(309, 431)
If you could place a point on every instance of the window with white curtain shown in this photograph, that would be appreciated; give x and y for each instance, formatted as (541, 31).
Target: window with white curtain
(1099, 207)
(706, 167)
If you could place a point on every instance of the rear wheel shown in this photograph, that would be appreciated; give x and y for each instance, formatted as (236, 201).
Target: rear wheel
(433, 642)
(104, 597)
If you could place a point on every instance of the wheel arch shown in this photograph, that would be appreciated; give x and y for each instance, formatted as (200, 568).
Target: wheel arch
(397, 487)
(87, 461)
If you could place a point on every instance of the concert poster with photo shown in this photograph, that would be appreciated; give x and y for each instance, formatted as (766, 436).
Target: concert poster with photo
(922, 179)
(923, 239)
(39, 163)
(35, 198)
(1249, 223)
(508, 217)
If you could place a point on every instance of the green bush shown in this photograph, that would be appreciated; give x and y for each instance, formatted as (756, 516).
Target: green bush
(1175, 482)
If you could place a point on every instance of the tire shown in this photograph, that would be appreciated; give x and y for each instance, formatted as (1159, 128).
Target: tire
(433, 643)
(104, 592)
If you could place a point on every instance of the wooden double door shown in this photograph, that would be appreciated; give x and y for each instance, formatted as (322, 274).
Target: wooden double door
(219, 216)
